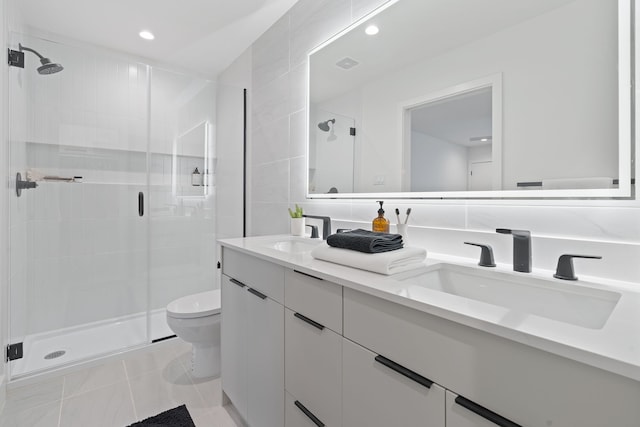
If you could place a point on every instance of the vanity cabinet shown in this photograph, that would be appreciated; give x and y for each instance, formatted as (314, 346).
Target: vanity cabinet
(313, 351)
(377, 392)
(527, 386)
(299, 351)
(253, 338)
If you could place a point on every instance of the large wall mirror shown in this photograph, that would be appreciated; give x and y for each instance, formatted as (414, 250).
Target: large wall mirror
(474, 99)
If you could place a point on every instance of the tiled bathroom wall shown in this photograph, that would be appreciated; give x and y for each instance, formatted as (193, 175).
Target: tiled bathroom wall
(610, 228)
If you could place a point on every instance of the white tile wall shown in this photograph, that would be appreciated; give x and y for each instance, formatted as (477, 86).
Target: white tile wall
(610, 229)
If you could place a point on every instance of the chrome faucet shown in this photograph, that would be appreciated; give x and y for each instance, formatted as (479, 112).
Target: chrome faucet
(521, 249)
(326, 224)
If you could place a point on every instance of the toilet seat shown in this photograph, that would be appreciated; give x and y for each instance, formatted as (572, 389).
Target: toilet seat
(196, 305)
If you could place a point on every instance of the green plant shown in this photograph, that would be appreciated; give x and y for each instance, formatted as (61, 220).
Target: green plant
(297, 213)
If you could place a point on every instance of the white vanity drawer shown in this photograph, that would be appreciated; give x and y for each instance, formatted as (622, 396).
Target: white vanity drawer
(263, 276)
(315, 298)
(375, 395)
(313, 367)
(531, 387)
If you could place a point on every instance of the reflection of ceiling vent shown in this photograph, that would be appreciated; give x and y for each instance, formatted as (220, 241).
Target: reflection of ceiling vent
(347, 63)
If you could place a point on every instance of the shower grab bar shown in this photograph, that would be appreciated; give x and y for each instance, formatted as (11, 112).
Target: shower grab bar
(33, 176)
(58, 178)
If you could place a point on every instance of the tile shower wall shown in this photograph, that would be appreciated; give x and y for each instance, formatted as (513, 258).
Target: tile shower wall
(277, 169)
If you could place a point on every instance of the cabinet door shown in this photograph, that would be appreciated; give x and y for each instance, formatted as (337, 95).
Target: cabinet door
(265, 360)
(464, 413)
(375, 395)
(313, 370)
(234, 343)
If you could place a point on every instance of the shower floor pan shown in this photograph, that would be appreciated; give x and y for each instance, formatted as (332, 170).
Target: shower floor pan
(64, 347)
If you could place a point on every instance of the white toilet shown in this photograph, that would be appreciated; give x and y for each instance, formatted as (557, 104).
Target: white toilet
(196, 319)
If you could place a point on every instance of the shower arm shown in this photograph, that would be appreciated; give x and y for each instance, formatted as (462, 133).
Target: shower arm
(23, 48)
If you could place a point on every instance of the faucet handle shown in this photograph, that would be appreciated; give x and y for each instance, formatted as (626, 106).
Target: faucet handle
(486, 255)
(314, 231)
(565, 270)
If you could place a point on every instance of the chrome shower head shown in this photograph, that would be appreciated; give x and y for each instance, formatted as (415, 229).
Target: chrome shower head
(47, 66)
(324, 126)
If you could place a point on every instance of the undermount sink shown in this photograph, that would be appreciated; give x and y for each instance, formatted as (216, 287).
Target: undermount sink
(295, 246)
(552, 299)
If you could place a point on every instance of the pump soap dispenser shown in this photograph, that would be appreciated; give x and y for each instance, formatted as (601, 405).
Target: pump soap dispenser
(196, 178)
(380, 224)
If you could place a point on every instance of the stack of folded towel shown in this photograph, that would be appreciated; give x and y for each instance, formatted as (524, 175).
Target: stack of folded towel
(378, 252)
(366, 241)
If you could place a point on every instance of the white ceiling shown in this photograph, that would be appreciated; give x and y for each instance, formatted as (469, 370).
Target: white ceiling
(200, 35)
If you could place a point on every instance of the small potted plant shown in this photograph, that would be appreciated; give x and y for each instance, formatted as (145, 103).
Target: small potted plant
(297, 221)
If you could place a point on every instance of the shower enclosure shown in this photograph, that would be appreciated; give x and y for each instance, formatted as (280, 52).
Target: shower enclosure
(113, 221)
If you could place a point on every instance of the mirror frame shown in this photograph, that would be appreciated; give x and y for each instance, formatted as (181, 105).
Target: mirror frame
(625, 102)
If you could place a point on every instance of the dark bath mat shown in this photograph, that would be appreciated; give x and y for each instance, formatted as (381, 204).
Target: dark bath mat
(176, 417)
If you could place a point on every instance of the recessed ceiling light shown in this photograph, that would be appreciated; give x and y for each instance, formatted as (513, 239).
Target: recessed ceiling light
(481, 138)
(372, 30)
(147, 35)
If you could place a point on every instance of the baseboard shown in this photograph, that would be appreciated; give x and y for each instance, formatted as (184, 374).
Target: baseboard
(232, 411)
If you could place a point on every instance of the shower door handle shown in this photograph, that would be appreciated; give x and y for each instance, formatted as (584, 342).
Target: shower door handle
(140, 203)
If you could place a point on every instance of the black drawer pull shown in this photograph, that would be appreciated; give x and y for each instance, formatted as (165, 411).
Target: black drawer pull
(309, 321)
(404, 371)
(257, 293)
(237, 282)
(307, 274)
(308, 413)
(485, 413)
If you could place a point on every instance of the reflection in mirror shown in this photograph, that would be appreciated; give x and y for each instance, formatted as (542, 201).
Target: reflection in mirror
(331, 145)
(452, 139)
(192, 162)
(557, 124)
(442, 143)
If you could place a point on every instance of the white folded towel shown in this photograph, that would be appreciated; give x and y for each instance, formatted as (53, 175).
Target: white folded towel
(390, 262)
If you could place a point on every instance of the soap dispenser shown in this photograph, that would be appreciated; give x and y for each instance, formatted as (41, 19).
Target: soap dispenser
(380, 224)
(196, 178)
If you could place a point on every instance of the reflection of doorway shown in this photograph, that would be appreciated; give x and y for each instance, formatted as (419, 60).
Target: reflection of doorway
(480, 176)
(445, 132)
(334, 145)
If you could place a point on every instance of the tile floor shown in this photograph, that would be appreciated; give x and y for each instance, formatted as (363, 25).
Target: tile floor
(120, 392)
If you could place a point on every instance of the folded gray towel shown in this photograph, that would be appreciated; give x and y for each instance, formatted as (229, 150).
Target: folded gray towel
(366, 241)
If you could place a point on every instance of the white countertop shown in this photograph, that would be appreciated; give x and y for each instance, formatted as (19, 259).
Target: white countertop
(615, 347)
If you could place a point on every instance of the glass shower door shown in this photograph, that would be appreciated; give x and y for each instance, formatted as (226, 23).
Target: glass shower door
(182, 192)
(79, 283)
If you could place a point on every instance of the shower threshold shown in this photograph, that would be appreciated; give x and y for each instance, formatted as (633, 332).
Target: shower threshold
(63, 347)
